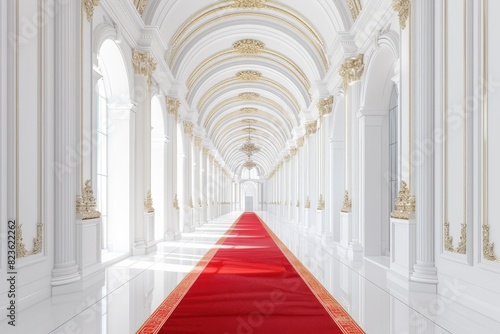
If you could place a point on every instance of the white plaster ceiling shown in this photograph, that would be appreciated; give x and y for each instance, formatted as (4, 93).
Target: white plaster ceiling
(200, 35)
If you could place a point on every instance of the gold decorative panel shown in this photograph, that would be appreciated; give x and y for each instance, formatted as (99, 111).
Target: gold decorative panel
(249, 75)
(248, 96)
(250, 4)
(249, 46)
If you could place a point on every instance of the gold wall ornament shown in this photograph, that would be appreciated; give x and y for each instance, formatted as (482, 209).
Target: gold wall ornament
(89, 6)
(140, 5)
(462, 245)
(173, 106)
(38, 241)
(402, 7)
(148, 203)
(144, 64)
(325, 106)
(311, 128)
(248, 4)
(86, 203)
(448, 239)
(249, 110)
(191, 204)
(355, 8)
(352, 70)
(488, 252)
(347, 204)
(176, 202)
(405, 203)
(206, 151)
(248, 96)
(21, 250)
(308, 203)
(321, 203)
(197, 142)
(249, 46)
(188, 128)
(20, 247)
(287, 158)
(199, 203)
(293, 152)
(249, 75)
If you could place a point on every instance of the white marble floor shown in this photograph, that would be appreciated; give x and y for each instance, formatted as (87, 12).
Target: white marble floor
(134, 288)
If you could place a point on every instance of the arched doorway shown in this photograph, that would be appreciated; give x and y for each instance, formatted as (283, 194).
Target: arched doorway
(249, 196)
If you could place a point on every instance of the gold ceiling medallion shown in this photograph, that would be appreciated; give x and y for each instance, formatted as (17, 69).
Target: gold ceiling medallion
(402, 7)
(325, 106)
(188, 128)
(347, 204)
(352, 70)
(144, 64)
(148, 203)
(488, 252)
(173, 106)
(248, 96)
(248, 3)
(86, 203)
(140, 5)
(321, 203)
(308, 203)
(176, 202)
(405, 203)
(249, 46)
(249, 75)
(311, 128)
(89, 6)
(355, 8)
(249, 110)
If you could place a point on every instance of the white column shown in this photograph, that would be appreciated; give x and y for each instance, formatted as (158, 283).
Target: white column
(67, 78)
(423, 106)
(312, 175)
(354, 97)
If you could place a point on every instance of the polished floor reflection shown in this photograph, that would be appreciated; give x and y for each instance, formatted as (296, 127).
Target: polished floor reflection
(135, 287)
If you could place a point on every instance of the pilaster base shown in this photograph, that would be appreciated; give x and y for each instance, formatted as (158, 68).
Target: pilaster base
(97, 278)
(88, 246)
(306, 219)
(320, 223)
(149, 224)
(403, 248)
(172, 236)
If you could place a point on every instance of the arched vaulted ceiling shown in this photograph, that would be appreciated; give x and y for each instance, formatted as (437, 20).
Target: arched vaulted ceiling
(248, 65)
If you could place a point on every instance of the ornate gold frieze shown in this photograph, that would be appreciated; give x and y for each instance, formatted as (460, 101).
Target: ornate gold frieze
(188, 128)
(89, 6)
(488, 252)
(321, 203)
(148, 203)
(176, 202)
(405, 203)
(144, 64)
(249, 110)
(86, 203)
(402, 7)
(325, 106)
(308, 203)
(347, 204)
(248, 96)
(21, 250)
(352, 70)
(173, 106)
(355, 8)
(249, 46)
(249, 4)
(311, 128)
(140, 5)
(191, 204)
(248, 75)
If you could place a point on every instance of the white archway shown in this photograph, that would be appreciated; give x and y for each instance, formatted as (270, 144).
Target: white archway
(249, 196)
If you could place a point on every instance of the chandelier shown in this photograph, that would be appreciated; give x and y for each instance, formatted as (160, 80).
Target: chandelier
(249, 164)
(249, 148)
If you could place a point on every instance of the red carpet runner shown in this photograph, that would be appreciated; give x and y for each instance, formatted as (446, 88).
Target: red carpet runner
(250, 284)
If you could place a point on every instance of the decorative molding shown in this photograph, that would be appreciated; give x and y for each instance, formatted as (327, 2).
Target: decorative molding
(347, 204)
(176, 203)
(311, 128)
(20, 247)
(462, 245)
(308, 203)
(325, 106)
(402, 7)
(448, 239)
(86, 203)
(249, 121)
(21, 250)
(140, 5)
(144, 64)
(148, 203)
(293, 151)
(188, 128)
(488, 252)
(198, 142)
(248, 96)
(355, 8)
(89, 6)
(249, 110)
(248, 4)
(405, 203)
(249, 75)
(191, 204)
(352, 70)
(321, 203)
(173, 106)
(249, 46)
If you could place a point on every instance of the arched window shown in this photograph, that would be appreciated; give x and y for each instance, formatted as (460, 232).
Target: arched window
(102, 160)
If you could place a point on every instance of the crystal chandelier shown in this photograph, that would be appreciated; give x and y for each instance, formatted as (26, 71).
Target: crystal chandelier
(249, 148)
(249, 164)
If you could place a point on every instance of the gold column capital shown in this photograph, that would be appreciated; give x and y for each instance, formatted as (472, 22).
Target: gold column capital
(405, 203)
(144, 64)
(352, 70)
(89, 6)
(321, 203)
(402, 7)
(86, 203)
